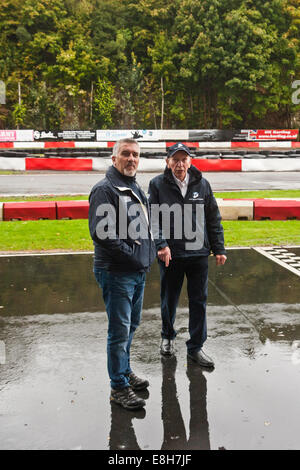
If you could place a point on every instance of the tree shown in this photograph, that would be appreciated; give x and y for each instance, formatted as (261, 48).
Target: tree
(104, 104)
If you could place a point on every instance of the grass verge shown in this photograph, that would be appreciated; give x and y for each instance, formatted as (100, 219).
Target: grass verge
(73, 235)
(222, 195)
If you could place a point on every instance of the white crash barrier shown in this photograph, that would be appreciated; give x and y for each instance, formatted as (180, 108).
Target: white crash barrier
(235, 209)
(17, 164)
(271, 164)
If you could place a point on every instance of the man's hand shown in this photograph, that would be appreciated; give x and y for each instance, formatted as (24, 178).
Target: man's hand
(220, 259)
(165, 255)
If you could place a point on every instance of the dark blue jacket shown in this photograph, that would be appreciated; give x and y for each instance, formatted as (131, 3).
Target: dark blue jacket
(120, 252)
(205, 218)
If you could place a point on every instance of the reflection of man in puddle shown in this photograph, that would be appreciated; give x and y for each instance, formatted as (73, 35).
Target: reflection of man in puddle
(122, 435)
(174, 429)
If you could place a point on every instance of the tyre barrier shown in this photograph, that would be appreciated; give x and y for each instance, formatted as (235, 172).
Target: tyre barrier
(230, 209)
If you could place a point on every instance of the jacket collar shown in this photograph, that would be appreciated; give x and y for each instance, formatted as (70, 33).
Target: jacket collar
(117, 179)
(195, 174)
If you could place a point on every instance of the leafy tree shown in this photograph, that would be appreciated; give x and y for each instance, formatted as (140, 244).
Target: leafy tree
(104, 104)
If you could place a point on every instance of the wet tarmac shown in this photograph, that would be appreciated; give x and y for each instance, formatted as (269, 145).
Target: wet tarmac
(59, 183)
(54, 389)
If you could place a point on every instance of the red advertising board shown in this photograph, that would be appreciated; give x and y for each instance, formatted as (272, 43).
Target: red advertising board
(268, 134)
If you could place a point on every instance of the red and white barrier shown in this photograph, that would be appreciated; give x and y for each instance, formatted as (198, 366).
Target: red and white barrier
(231, 209)
(149, 164)
(149, 145)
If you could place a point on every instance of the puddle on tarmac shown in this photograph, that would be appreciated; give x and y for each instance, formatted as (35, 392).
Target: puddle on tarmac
(53, 382)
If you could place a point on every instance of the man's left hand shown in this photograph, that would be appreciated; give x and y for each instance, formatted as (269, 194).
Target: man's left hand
(220, 259)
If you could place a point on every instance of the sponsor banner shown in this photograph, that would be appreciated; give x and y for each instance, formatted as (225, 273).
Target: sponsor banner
(65, 135)
(212, 135)
(268, 134)
(16, 135)
(172, 134)
(8, 136)
(114, 135)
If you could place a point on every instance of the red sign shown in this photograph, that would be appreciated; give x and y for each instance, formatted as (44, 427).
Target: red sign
(281, 134)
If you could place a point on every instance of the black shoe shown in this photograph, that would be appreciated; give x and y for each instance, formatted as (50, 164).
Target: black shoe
(202, 359)
(167, 347)
(136, 383)
(127, 398)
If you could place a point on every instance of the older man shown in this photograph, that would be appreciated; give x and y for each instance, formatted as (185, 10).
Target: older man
(184, 250)
(123, 254)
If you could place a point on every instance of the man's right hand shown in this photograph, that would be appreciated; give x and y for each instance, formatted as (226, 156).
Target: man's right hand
(165, 255)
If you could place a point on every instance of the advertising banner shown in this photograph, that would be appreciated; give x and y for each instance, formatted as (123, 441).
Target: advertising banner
(65, 135)
(8, 136)
(105, 135)
(212, 135)
(268, 134)
(16, 136)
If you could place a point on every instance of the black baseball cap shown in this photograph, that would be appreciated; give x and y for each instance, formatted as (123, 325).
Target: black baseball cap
(176, 148)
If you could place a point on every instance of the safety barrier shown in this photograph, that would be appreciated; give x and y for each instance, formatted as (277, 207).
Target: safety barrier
(235, 209)
(215, 164)
(65, 164)
(14, 164)
(276, 209)
(150, 144)
(271, 164)
(72, 209)
(29, 210)
(230, 209)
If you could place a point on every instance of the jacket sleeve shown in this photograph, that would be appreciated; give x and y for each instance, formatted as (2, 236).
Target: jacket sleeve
(213, 224)
(159, 240)
(103, 213)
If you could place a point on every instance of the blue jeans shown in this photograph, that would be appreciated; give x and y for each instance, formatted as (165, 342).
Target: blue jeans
(123, 297)
(196, 271)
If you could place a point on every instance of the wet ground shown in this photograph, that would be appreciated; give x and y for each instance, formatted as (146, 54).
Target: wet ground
(54, 389)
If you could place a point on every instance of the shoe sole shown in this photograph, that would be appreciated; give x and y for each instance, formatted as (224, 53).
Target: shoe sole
(137, 407)
(163, 353)
(139, 389)
(201, 364)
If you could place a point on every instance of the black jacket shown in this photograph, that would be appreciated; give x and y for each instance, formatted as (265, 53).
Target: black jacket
(127, 247)
(199, 209)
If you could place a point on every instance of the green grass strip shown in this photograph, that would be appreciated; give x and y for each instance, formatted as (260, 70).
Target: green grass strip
(222, 195)
(43, 235)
